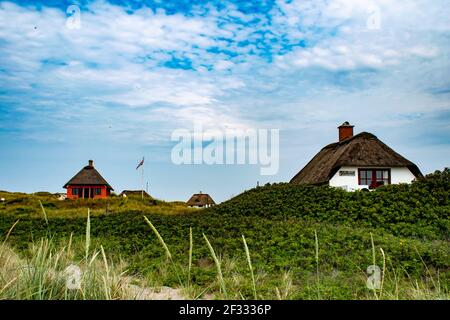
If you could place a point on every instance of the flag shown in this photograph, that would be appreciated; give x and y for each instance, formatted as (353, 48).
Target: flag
(140, 163)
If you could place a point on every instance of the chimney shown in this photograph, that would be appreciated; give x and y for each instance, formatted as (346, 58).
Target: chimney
(91, 163)
(345, 131)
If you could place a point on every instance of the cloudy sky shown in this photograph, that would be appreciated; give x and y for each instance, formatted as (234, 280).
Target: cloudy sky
(111, 82)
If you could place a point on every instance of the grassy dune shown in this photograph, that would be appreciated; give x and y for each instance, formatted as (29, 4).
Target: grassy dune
(300, 243)
(28, 205)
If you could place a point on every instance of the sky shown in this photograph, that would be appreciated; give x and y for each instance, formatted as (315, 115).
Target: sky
(111, 81)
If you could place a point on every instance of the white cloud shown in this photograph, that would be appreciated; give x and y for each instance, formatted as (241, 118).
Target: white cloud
(338, 36)
(114, 58)
(116, 63)
(223, 65)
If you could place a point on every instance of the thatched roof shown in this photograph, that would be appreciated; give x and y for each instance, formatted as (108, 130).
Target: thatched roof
(88, 176)
(200, 199)
(361, 150)
(135, 193)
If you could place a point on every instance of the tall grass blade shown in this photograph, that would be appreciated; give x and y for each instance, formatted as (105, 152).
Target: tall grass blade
(88, 234)
(105, 277)
(191, 245)
(278, 294)
(383, 272)
(43, 212)
(216, 261)
(105, 261)
(374, 262)
(166, 248)
(10, 230)
(426, 267)
(316, 245)
(7, 285)
(161, 240)
(94, 256)
(69, 246)
(249, 261)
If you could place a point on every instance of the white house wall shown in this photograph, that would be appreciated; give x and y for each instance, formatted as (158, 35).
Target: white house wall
(350, 182)
(401, 175)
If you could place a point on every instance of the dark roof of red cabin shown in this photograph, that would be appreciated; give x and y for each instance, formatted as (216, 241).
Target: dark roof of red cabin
(88, 176)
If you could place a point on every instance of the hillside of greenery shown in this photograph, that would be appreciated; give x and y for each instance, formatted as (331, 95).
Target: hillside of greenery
(419, 210)
(305, 242)
(28, 205)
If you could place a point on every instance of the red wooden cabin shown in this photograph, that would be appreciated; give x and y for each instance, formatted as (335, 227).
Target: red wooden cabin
(88, 184)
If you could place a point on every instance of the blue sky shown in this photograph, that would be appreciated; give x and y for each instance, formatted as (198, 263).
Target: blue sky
(114, 89)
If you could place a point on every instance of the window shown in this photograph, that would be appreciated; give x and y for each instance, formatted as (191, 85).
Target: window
(374, 177)
(98, 191)
(75, 191)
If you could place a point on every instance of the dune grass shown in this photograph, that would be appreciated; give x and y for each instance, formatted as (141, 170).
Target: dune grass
(316, 243)
(77, 270)
(247, 254)
(47, 205)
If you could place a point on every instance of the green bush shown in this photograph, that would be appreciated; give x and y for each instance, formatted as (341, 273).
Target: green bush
(409, 222)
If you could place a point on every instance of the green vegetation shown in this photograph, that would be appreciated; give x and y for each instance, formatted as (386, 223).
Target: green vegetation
(299, 242)
(419, 210)
(30, 205)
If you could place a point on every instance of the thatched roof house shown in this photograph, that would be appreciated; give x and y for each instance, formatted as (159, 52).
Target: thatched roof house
(88, 183)
(139, 193)
(201, 200)
(357, 162)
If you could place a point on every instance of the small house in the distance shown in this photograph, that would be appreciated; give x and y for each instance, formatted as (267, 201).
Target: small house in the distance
(135, 193)
(200, 200)
(357, 162)
(88, 184)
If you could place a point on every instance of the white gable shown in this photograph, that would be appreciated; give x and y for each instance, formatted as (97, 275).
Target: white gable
(347, 177)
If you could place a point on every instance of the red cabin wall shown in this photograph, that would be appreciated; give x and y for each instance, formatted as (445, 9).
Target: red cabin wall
(104, 192)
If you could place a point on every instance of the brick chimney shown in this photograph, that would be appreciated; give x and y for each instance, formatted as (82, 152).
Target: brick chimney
(345, 131)
(91, 163)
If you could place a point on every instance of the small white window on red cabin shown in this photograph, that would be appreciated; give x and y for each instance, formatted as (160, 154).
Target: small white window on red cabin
(374, 177)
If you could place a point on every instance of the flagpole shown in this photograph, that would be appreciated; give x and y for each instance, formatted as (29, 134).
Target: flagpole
(141, 164)
(142, 182)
